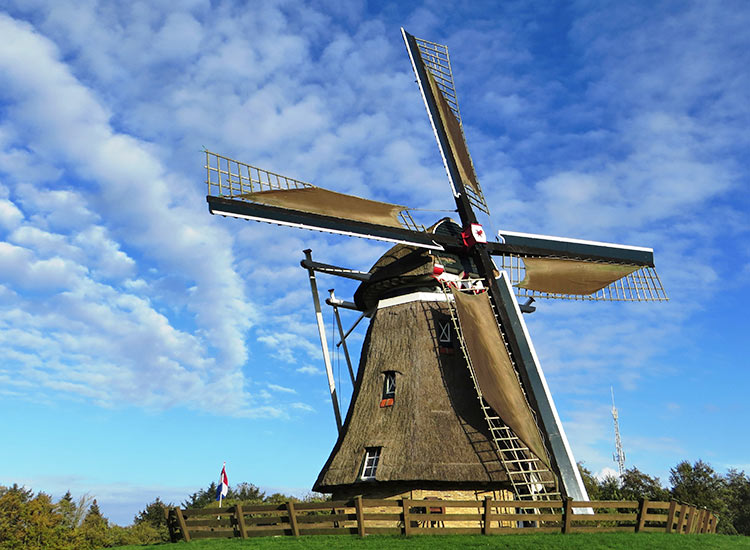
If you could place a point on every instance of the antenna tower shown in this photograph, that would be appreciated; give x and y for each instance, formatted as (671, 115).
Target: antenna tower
(619, 455)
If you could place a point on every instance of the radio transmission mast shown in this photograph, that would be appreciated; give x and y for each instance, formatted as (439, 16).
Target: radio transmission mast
(619, 455)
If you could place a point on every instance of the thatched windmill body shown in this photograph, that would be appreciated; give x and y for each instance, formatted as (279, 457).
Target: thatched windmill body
(449, 396)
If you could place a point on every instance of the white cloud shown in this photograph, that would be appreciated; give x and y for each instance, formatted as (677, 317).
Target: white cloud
(19, 267)
(277, 388)
(606, 472)
(67, 122)
(302, 407)
(10, 215)
(309, 369)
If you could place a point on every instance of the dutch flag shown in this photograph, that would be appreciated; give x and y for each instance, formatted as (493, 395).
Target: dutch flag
(223, 488)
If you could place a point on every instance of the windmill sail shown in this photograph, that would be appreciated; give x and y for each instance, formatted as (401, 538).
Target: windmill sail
(576, 277)
(542, 266)
(317, 200)
(244, 191)
(494, 369)
(431, 64)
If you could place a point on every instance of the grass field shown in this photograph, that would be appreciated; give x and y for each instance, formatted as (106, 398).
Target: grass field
(582, 541)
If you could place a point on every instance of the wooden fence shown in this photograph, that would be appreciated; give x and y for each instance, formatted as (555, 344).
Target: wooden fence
(416, 517)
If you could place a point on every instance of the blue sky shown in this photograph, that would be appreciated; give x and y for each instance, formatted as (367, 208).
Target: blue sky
(144, 342)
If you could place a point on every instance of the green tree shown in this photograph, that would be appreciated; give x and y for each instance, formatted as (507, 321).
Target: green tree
(95, 528)
(151, 523)
(589, 482)
(698, 484)
(738, 501)
(42, 523)
(279, 498)
(246, 492)
(201, 498)
(635, 485)
(609, 488)
(33, 523)
(73, 511)
(14, 516)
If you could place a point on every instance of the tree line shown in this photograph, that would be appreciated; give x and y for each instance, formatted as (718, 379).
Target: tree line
(31, 521)
(727, 495)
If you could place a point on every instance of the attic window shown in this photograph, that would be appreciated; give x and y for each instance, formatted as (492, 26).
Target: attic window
(444, 331)
(389, 389)
(372, 457)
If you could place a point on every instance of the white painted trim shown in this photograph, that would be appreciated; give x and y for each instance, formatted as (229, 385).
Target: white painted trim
(413, 297)
(434, 246)
(502, 232)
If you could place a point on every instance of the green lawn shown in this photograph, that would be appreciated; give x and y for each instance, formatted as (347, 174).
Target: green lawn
(582, 541)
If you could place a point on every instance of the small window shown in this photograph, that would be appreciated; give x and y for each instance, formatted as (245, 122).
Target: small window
(444, 332)
(389, 389)
(389, 384)
(372, 457)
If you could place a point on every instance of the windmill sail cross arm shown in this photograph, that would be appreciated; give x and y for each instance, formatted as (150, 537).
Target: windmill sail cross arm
(537, 389)
(244, 191)
(547, 245)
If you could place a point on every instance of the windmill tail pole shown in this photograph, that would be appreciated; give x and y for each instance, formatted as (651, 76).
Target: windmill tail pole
(342, 335)
(323, 343)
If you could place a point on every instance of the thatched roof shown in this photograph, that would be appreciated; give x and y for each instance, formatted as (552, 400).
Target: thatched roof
(435, 431)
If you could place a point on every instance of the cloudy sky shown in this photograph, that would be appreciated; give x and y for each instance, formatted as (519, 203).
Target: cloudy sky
(143, 341)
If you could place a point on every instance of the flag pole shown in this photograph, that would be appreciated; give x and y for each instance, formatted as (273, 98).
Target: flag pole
(220, 489)
(221, 493)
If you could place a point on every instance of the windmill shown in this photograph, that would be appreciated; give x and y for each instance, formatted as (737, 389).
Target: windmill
(449, 397)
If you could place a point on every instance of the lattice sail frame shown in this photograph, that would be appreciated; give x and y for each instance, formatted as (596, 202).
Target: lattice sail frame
(643, 285)
(437, 61)
(230, 178)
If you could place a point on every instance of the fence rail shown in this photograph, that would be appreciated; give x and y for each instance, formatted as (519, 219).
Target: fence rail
(360, 516)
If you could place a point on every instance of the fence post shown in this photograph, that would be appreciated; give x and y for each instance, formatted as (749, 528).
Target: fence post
(691, 520)
(701, 519)
(171, 519)
(183, 525)
(670, 515)
(706, 520)
(698, 521)
(292, 518)
(683, 513)
(567, 516)
(240, 518)
(487, 527)
(360, 515)
(642, 508)
(715, 522)
(405, 504)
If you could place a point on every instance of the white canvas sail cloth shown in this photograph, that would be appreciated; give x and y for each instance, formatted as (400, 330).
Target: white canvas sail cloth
(317, 200)
(575, 277)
